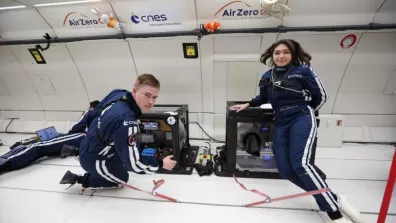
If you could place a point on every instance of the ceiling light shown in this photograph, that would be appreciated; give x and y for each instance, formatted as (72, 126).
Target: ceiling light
(65, 3)
(13, 7)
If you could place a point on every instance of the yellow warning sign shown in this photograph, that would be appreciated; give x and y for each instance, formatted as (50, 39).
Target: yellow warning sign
(190, 50)
(37, 56)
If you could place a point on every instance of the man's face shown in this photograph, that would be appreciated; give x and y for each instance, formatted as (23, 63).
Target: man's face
(145, 97)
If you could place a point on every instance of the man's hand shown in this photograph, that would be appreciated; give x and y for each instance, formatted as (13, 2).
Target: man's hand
(168, 163)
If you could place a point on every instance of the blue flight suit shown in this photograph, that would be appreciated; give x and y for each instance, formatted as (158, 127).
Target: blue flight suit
(110, 148)
(298, 94)
(24, 155)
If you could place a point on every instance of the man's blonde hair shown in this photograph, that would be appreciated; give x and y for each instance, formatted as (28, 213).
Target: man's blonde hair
(147, 79)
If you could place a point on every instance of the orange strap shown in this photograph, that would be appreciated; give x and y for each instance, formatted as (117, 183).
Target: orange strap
(157, 185)
(268, 199)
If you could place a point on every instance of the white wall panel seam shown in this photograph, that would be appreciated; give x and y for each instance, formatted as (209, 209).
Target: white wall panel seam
(202, 80)
(79, 72)
(379, 8)
(47, 23)
(258, 77)
(5, 86)
(196, 13)
(387, 82)
(345, 70)
(213, 79)
(31, 81)
(115, 14)
(133, 58)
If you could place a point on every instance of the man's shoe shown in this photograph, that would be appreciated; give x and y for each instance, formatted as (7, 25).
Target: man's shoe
(68, 151)
(70, 178)
(349, 210)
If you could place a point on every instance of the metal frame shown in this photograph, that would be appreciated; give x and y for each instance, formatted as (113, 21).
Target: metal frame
(182, 109)
(250, 115)
(202, 32)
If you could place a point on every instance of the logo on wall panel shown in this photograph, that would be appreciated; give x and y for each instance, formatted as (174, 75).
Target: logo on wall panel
(240, 10)
(348, 41)
(153, 20)
(78, 20)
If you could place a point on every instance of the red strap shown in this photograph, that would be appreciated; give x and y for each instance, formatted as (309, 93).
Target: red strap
(270, 200)
(254, 190)
(157, 185)
(388, 192)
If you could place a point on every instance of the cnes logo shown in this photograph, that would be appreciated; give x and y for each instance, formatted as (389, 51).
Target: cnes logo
(130, 123)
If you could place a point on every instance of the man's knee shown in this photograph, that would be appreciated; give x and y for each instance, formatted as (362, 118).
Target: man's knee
(300, 168)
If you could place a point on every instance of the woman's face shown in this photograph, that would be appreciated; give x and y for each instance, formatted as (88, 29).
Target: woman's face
(282, 55)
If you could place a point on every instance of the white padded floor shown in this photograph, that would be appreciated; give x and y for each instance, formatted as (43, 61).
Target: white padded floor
(34, 194)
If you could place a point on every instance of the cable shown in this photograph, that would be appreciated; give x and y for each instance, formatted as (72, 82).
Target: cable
(12, 119)
(213, 139)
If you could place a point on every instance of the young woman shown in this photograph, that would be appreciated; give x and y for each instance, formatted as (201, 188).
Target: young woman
(296, 93)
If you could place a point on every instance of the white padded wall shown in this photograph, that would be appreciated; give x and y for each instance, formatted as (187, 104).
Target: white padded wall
(220, 81)
(390, 87)
(58, 82)
(104, 66)
(19, 92)
(372, 64)
(387, 13)
(330, 13)
(206, 56)
(23, 24)
(329, 60)
(180, 78)
(241, 81)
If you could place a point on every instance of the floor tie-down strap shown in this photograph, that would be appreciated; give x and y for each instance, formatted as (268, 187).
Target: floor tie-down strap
(157, 185)
(268, 199)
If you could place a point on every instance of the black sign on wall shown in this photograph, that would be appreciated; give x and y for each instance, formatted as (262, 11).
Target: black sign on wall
(37, 56)
(190, 50)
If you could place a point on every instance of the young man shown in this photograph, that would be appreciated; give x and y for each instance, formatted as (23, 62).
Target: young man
(21, 156)
(111, 149)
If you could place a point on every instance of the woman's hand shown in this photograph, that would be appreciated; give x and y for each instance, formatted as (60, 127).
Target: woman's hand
(239, 107)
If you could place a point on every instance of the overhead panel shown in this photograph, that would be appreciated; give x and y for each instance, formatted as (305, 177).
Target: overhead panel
(22, 24)
(331, 13)
(387, 13)
(9, 3)
(78, 20)
(235, 14)
(148, 16)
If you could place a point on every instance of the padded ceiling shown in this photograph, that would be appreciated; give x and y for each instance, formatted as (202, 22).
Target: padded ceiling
(335, 12)
(151, 16)
(8, 3)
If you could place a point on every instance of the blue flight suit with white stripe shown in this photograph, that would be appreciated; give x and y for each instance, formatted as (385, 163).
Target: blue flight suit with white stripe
(110, 148)
(297, 95)
(24, 155)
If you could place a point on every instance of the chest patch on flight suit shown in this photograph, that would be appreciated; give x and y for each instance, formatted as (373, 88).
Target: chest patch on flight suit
(294, 76)
(148, 152)
(132, 140)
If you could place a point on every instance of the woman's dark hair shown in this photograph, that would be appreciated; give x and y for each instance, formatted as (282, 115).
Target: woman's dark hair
(299, 56)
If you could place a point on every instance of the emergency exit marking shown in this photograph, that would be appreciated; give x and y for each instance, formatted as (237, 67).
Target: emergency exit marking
(190, 50)
(37, 56)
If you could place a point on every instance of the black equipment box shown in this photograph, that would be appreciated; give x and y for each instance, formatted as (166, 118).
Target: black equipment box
(250, 132)
(166, 128)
